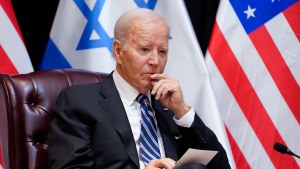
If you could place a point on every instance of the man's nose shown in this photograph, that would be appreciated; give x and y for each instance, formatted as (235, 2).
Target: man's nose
(154, 58)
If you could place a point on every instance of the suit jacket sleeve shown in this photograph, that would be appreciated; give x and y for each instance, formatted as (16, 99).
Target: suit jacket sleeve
(200, 136)
(69, 136)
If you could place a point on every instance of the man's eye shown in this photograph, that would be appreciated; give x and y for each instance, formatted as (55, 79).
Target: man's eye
(162, 52)
(145, 49)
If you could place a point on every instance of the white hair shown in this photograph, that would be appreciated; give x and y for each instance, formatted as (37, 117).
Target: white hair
(134, 18)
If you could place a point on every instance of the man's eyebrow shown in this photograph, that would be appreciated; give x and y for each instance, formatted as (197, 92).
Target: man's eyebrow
(140, 43)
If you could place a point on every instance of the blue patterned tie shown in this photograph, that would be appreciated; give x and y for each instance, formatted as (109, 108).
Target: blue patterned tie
(149, 143)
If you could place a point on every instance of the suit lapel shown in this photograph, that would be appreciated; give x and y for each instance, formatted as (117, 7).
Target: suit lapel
(168, 129)
(114, 109)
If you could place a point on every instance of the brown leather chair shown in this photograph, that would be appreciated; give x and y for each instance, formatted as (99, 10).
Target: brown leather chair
(26, 107)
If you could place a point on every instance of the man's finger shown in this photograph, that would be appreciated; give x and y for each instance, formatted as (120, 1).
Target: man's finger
(166, 163)
(158, 76)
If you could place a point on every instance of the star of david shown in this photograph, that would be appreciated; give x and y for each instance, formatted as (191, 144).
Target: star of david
(93, 25)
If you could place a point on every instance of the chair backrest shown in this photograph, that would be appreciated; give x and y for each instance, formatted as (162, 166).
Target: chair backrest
(26, 107)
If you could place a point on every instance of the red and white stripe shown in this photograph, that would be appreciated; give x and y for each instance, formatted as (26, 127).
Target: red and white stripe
(14, 58)
(256, 80)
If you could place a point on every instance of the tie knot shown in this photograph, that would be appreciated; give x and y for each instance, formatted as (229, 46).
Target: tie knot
(142, 99)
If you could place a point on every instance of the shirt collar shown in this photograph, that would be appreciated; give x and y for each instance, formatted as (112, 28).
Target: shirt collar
(127, 93)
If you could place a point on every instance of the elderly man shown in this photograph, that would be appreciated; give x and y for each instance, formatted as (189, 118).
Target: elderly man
(137, 117)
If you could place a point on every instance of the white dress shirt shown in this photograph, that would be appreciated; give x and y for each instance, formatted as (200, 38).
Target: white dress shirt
(128, 95)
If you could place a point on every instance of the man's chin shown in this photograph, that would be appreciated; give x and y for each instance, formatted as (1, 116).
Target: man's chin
(148, 85)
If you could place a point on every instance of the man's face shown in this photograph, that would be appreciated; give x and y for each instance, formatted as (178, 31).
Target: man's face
(144, 53)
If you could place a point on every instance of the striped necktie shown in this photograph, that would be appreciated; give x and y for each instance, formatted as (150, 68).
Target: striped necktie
(149, 147)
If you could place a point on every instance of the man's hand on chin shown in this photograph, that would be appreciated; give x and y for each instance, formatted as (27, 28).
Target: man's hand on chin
(168, 92)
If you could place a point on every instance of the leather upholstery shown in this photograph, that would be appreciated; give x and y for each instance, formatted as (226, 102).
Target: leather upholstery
(26, 107)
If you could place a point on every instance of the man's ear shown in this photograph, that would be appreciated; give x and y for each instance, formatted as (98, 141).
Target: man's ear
(117, 49)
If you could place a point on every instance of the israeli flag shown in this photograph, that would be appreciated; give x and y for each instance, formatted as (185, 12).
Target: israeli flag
(82, 36)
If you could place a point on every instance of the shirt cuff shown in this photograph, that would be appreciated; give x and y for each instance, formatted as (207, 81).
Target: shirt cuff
(186, 120)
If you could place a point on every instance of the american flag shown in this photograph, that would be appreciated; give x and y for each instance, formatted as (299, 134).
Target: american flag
(14, 58)
(254, 64)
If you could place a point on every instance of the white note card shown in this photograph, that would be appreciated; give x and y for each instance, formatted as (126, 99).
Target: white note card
(195, 156)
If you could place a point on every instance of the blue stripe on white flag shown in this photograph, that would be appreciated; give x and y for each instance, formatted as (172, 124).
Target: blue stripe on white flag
(53, 58)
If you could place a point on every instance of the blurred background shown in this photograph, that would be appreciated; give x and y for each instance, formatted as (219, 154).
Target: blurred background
(35, 19)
